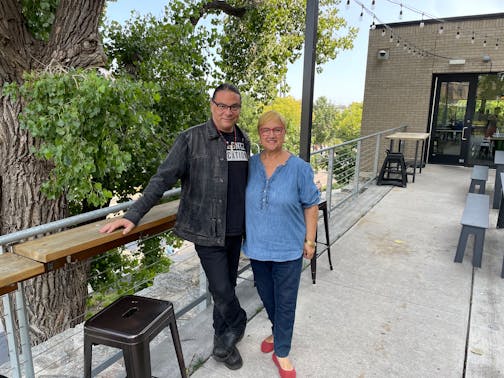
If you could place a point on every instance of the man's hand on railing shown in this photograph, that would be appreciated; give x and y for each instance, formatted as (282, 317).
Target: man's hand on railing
(122, 222)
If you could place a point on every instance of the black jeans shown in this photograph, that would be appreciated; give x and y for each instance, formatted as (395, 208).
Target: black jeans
(221, 268)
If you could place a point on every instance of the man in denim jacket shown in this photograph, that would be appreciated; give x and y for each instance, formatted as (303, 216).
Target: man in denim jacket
(211, 160)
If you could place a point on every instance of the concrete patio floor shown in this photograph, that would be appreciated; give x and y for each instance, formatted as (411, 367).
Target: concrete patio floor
(395, 305)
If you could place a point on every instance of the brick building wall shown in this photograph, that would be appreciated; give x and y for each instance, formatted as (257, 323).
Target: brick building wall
(398, 89)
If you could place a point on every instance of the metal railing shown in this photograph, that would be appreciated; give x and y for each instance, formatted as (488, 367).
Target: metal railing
(343, 172)
(346, 169)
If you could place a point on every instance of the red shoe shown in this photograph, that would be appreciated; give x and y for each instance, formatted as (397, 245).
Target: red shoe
(283, 373)
(267, 347)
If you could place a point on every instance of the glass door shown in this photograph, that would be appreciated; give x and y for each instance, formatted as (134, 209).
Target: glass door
(487, 129)
(453, 109)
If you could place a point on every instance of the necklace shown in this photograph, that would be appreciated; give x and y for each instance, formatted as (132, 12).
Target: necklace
(224, 138)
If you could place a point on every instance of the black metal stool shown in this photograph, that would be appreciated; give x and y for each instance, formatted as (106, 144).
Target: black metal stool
(313, 263)
(393, 171)
(130, 323)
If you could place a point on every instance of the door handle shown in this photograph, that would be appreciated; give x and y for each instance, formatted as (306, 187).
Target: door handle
(463, 133)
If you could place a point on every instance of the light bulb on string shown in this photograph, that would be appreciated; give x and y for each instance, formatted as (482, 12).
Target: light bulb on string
(373, 26)
(383, 32)
(391, 38)
(441, 29)
(361, 13)
(457, 36)
(405, 47)
(422, 23)
(373, 4)
(400, 13)
(484, 41)
(497, 44)
(398, 42)
(472, 38)
(348, 4)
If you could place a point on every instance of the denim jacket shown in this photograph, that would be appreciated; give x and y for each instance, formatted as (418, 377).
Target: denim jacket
(198, 159)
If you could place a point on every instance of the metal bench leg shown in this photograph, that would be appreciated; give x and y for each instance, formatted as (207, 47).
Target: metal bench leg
(464, 234)
(479, 241)
(482, 188)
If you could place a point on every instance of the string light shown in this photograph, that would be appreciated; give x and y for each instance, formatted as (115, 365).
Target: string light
(348, 4)
(394, 37)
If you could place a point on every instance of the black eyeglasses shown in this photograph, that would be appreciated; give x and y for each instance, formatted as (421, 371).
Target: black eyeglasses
(223, 107)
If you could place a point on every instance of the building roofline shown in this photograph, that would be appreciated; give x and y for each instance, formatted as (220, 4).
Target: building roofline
(488, 16)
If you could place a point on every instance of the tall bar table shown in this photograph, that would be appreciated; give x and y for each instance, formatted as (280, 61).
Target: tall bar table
(417, 137)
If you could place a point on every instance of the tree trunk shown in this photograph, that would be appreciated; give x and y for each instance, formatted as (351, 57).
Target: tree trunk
(56, 300)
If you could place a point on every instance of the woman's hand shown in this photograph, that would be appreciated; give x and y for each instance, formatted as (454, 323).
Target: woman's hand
(308, 249)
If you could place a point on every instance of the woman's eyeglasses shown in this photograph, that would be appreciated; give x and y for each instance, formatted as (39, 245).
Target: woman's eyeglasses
(223, 107)
(275, 130)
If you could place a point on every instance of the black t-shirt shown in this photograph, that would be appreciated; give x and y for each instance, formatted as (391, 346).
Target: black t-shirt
(237, 181)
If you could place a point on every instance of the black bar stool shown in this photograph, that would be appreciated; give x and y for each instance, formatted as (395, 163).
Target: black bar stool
(130, 323)
(313, 263)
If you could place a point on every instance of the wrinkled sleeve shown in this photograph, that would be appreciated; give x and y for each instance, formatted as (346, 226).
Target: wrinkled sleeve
(309, 194)
(168, 173)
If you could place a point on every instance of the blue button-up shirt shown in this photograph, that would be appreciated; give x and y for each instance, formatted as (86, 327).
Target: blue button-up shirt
(274, 208)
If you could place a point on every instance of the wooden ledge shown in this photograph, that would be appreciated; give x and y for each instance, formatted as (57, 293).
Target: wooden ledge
(82, 242)
(14, 269)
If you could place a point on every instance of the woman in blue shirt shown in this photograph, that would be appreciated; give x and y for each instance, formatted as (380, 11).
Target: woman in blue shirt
(281, 225)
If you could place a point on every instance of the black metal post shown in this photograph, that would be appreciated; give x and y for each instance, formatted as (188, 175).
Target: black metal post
(312, 7)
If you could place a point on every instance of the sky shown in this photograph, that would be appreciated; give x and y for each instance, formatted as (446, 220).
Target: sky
(342, 80)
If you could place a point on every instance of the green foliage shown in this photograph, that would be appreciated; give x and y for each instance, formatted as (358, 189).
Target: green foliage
(39, 15)
(172, 55)
(92, 129)
(343, 165)
(256, 49)
(349, 122)
(325, 116)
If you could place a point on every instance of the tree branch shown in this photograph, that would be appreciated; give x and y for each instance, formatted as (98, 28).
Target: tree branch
(219, 6)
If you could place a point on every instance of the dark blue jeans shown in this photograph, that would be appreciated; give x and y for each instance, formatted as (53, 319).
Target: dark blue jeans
(221, 268)
(277, 284)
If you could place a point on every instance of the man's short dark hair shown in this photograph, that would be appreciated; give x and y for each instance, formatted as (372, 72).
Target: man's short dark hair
(226, 87)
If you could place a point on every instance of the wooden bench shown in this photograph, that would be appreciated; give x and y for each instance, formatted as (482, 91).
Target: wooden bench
(83, 242)
(479, 176)
(14, 269)
(475, 220)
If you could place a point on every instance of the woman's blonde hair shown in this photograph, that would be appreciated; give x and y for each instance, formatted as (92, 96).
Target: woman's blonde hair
(271, 116)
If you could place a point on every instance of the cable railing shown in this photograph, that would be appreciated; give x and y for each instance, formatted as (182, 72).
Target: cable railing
(342, 172)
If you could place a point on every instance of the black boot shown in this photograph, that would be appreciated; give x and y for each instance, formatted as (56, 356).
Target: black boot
(225, 350)
(220, 351)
